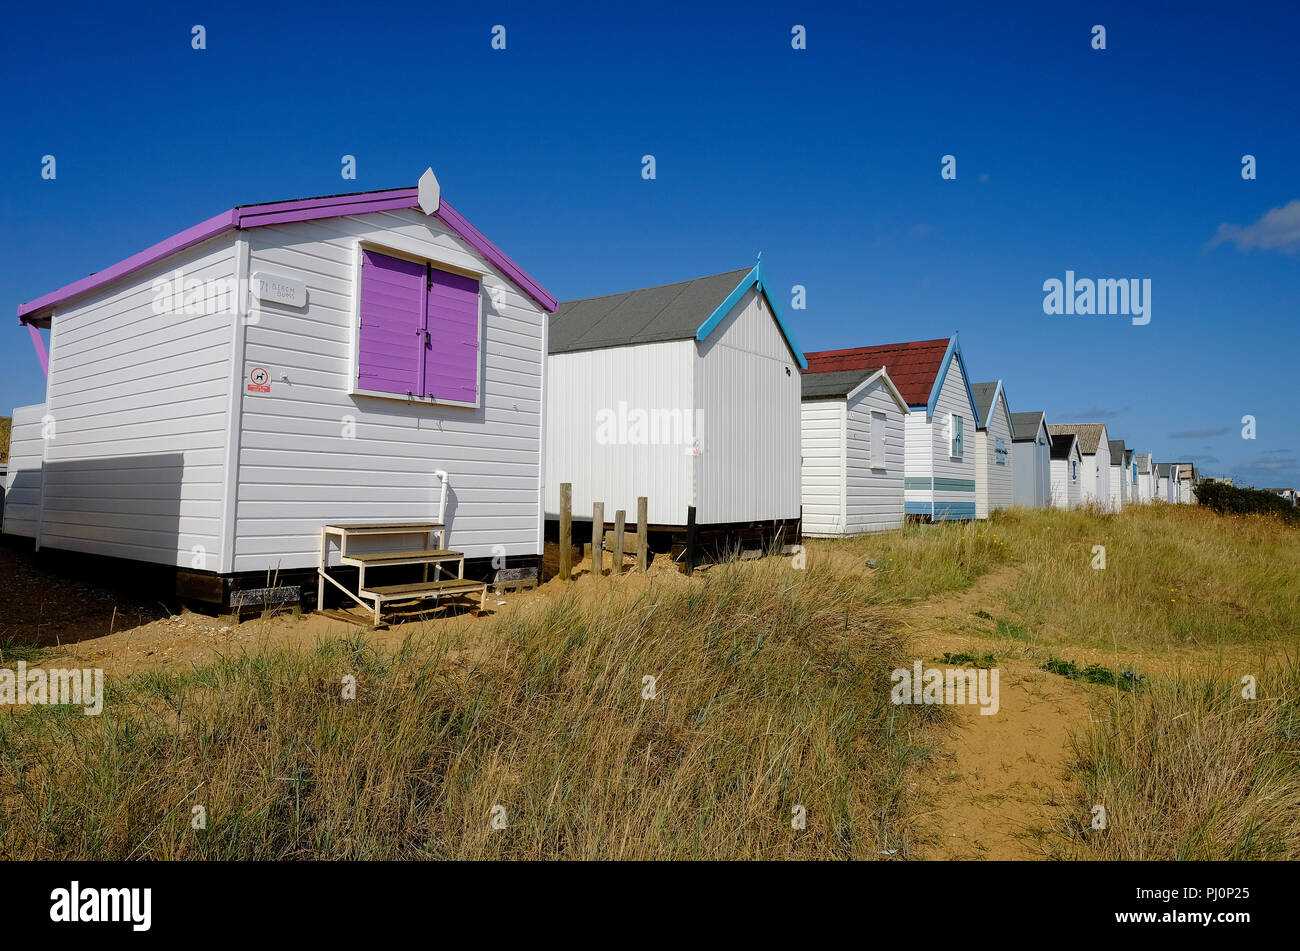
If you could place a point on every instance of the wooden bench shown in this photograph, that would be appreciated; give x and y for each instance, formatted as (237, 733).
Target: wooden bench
(436, 554)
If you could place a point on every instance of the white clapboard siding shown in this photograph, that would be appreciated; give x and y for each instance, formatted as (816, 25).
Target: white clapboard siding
(1031, 473)
(873, 486)
(22, 509)
(1116, 477)
(847, 488)
(929, 450)
(138, 401)
(822, 471)
(1066, 488)
(713, 423)
(748, 397)
(1096, 482)
(620, 424)
(994, 484)
(310, 453)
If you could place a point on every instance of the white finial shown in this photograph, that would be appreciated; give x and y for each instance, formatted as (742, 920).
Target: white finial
(430, 194)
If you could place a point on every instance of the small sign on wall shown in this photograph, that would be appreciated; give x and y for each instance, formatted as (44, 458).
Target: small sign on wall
(279, 290)
(259, 381)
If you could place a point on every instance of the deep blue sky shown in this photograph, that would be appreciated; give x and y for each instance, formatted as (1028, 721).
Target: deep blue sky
(1115, 163)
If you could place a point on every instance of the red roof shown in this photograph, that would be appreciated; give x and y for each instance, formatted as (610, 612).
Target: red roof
(912, 366)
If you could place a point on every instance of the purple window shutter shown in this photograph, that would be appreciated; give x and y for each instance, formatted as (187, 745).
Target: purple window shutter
(451, 356)
(392, 315)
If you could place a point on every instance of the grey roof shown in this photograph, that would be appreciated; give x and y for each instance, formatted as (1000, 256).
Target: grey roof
(1144, 461)
(1089, 434)
(1062, 445)
(666, 312)
(835, 385)
(983, 393)
(1162, 469)
(1117, 452)
(1024, 426)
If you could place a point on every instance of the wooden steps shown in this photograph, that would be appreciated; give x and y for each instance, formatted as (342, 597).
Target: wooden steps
(422, 589)
(384, 528)
(372, 596)
(422, 556)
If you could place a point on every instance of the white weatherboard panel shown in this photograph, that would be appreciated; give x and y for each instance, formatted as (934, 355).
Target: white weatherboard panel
(994, 487)
(139, 406)
(873, 487)
(929, 446)
(1031, 471)
(821, 473)
(23, 474)
(1066, 490)
(748, 395)
(311, 454)
(1094, 483)
(616, 386)
(1115, 475)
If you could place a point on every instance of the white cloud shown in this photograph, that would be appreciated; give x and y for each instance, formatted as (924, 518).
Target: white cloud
(1277, 230)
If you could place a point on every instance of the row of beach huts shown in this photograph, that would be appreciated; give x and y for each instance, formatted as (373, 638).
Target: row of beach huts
(371, 371)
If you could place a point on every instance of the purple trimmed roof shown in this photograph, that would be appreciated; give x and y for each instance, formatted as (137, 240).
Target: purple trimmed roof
(274, 213)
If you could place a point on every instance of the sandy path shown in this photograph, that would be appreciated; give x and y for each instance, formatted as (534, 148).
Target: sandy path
(997, 790)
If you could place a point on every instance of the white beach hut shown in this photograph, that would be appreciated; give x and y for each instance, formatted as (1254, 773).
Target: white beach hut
(852, 469)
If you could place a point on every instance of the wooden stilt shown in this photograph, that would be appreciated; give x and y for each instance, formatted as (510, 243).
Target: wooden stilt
(642, 541)
(690, 539)
(620, 518)
(566, 531)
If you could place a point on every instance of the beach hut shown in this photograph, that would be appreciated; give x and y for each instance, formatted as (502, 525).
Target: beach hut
(1146, 478)
(994, 471)
(1031, 459)
(939, 468)
(1067, 474)
(1094, 450)
(852, 470)
(1117, 485)
(1186, 483)
(214, 402)
(1164, 481)
(687, 394)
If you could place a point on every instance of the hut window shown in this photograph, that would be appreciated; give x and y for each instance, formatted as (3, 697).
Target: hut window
(418, 335)
(957, 426)
(392, 315)
(1000, 451)
(877, 440)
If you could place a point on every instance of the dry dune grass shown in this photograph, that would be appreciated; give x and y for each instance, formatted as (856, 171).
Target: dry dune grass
(771, 693)
(1174, 575)
(1190, 769)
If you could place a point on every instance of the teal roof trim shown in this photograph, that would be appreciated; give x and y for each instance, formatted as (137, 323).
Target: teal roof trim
(753, 278)
(954, 350)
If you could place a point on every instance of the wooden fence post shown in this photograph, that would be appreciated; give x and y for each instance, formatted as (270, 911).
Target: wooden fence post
(566, 531)
(642, 561)
(598, 538)
(620, 523)
(690, 539)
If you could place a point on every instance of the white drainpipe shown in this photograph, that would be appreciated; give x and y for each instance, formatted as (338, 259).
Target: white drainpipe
(442, 512)
(442, 499)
